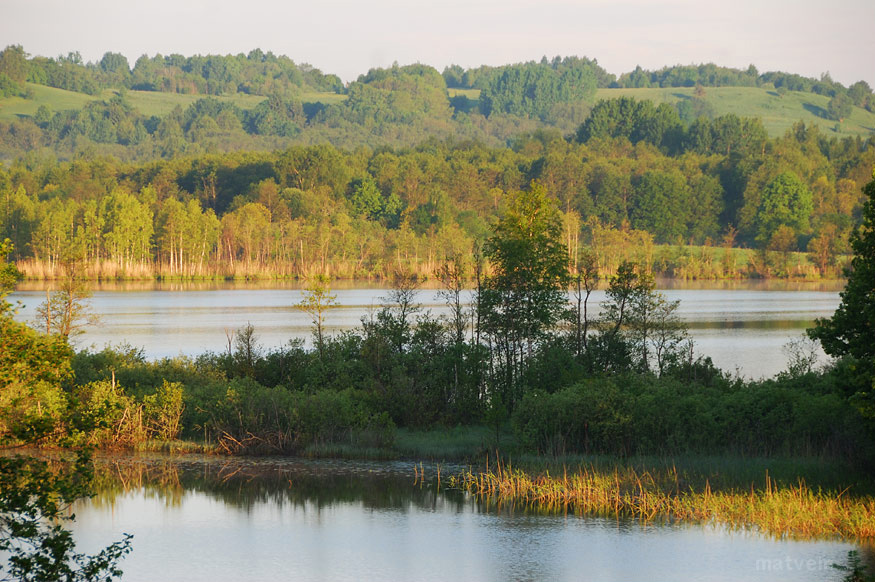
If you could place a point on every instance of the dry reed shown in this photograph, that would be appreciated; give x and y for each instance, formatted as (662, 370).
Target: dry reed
(793, 511)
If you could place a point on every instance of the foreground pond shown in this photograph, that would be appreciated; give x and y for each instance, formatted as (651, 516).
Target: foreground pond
(741, 325)
(215, 519)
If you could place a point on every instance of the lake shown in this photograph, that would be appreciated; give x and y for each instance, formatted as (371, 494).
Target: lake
(217, 519)
(742, 326)
(214, 519)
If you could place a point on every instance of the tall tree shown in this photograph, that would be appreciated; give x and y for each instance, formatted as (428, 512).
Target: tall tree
(316, 301)
(13, 63)
(524, 296)
(851, 329)
(786, 201)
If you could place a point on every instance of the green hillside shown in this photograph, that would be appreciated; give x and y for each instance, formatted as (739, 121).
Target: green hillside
(160, 104)
(146, 102)
(778, 113)
(55, 99)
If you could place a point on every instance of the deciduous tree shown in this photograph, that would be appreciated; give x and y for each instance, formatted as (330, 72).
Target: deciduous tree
(524, 296)
(316, 301)
(851, 329)
(786, 201)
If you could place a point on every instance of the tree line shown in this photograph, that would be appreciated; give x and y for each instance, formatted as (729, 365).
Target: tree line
(543, 83)
(255, 73)
(631, 179)
(522, 355)
(702, 75)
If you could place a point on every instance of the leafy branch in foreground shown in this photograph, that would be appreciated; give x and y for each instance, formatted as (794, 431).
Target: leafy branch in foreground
(33, 510)
(36, 494)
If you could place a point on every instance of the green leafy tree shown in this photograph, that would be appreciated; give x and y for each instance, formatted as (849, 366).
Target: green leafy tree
(276, 116)
(732, 134)
(128, 229)
(662, 205)
(395, 318)
(839, 107)
(66, 310)
(634, 120)
(13, 63)
(534, 89)
(316, 301)
(861, 95)
(9, 274)
(368, 201)
(851, 329)
(524, 296)
(785, 201)
(656, 331)
(627, 289)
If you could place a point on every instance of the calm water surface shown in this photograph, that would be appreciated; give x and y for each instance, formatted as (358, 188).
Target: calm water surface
(216, 520)
(741, 326)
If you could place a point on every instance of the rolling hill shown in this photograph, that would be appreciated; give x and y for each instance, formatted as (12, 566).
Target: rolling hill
(777, 112)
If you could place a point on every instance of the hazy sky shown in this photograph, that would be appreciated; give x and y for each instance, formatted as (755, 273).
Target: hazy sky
(347, 37)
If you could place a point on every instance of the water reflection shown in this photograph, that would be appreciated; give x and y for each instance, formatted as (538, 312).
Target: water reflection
(244, 483)
(215, 519)
(346, 284)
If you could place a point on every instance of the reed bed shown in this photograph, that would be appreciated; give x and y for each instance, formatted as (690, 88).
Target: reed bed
(795, 511)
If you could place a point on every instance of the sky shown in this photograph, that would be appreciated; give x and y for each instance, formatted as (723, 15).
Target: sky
(348, 37)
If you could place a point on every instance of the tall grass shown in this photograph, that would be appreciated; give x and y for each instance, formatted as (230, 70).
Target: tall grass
(796, 510)
(685, 262)
(42, 270)
(460, 442)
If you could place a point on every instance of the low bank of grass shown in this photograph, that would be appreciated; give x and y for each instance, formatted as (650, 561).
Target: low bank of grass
(680, 262)
(701, 262)
(460, 443)
(176, 447)
(798, 498)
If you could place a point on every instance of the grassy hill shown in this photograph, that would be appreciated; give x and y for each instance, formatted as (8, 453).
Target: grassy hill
(55, 99)
(146, 102)
(778, 113)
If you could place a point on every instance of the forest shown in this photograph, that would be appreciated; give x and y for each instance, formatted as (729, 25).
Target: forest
(524, 360)
(524, 356)
(632, 183)
(272, 168)
(167, 106)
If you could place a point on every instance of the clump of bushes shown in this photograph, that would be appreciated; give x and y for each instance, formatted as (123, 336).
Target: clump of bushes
(643, 414)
